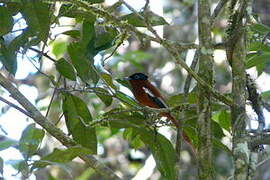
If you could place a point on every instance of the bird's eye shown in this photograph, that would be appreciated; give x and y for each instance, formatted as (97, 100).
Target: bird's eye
(137, 77)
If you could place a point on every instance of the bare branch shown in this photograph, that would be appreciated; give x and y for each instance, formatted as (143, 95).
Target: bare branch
(15, 107)
(218, 9)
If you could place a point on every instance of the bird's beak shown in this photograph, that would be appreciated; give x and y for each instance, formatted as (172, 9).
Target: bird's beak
(127, 78)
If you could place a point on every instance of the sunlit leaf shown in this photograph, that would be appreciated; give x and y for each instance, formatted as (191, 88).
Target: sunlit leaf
(77, 118)
(154, 19)
(59, 48)
(30, 140)
(65, 69)
(6, 21)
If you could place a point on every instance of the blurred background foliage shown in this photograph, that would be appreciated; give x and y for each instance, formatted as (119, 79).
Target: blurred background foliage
(79, 61)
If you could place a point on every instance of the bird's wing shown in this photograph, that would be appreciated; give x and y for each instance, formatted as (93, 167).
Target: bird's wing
(157, 100)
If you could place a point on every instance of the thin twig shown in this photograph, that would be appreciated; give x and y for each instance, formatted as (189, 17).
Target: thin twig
(91, 161)
(50, 104)
(15, 106)
(218, 9)
(189, 77)
(43, 54)
(175, 53)
(59, 119)
(146, 5)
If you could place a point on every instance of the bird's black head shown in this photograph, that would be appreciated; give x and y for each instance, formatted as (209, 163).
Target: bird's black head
(138, 76)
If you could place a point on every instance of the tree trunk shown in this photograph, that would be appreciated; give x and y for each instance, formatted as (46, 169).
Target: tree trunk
(205, 169)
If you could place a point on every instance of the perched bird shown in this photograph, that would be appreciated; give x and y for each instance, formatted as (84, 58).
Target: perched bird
(148, 95)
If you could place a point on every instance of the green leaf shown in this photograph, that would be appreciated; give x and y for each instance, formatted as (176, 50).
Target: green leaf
(125, 119)
(162, 150)
(6, 21)
(37, 16)
(8, 58)
(124, 83)
(217, 130)
(61, 156)
(21, 166)
(126, 99)
(81, 64)
(77, 118)
(260, 58)
(94, 1)
(133, 137)
(14, 7)
(258, 46)
(102, 94)
(218, 144)
(88, 32)
(105, 38)
(6, 143)
(265, 95)
(223, 118)
(73, 33)
(190, 130)
(154, 19)
(59, 48)
(24, 40)
(260, 68)
(180, 98)
(260, 28)
(108, 79)
(72, 11)
(137, 56)
(30, 140)
(65, 69)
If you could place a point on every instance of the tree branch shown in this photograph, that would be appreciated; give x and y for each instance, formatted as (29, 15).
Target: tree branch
(53, 130)
(15, 107)
(168, 45)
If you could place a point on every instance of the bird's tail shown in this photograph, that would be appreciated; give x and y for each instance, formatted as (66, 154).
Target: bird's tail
(177, 124)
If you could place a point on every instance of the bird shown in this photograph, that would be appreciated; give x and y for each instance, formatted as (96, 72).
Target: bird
(148, 95)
